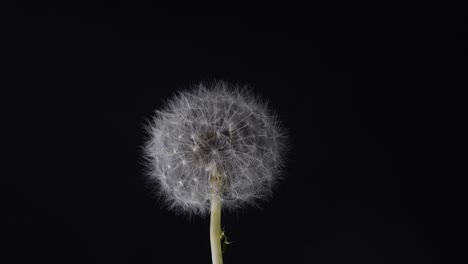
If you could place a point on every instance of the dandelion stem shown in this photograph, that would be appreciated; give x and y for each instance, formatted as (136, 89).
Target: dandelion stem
(215, 231)
(215, 225)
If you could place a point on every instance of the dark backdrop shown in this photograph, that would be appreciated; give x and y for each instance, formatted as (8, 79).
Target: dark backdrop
(371, 96)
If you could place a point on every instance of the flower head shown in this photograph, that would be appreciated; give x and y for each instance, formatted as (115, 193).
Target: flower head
(219, 127)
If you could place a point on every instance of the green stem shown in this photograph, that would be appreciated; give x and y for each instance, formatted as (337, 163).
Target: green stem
(215, 224)
(215, 231)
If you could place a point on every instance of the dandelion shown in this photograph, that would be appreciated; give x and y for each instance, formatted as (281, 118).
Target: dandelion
(214, 146)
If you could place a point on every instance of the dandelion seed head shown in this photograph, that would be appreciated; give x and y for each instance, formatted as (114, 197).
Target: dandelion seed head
(220, 126)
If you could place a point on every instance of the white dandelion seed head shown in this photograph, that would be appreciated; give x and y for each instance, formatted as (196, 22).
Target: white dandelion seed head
(220, 126)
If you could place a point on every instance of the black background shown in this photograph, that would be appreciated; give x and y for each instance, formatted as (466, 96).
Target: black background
(371, 95)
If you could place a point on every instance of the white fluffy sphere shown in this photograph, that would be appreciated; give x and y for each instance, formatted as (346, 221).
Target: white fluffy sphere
(218, 126)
